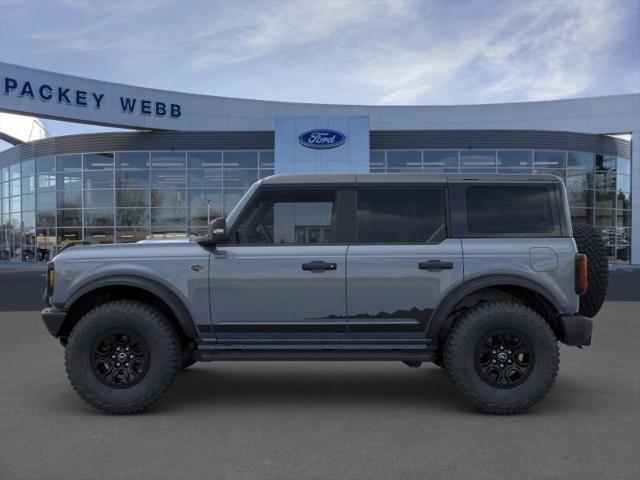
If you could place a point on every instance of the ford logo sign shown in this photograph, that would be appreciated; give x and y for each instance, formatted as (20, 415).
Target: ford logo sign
(322, 138)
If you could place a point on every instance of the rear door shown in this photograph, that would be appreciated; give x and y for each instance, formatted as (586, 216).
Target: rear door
(402, 262)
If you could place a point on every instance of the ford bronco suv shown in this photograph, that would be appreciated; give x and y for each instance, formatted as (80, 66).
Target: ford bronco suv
(480, 274)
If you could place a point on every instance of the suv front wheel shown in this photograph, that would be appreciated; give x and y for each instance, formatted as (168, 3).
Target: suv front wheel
(122, 356)
(502, 357)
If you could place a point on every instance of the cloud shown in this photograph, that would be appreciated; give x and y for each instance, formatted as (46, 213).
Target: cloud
(338, 51)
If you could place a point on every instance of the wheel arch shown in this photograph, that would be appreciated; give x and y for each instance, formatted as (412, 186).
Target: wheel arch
(134, 288)
(525, 290)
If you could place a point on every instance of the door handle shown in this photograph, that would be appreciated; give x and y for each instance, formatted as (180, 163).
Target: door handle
(435, 265)
(318, 266)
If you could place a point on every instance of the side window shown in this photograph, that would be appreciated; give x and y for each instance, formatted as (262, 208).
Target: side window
(401, 216)
(302, 217)
(509, 209)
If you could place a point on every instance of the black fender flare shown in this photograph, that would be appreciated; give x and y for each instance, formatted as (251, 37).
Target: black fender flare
(174, 303)
(438, 320)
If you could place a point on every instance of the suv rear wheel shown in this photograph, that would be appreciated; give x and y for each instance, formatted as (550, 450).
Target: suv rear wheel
(502, 357)
(122, 356)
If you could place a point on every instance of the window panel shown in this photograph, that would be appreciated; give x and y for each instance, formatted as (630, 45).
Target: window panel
(267, 160)
(46, 218)
(550, 159)
(623, 183)
(138, 160)
(289, 218)
(405, 159)
(604, 218)
(205, 178)
(168, 179)
(623, 166)
(168, 198)
(28, 184)
(98, 179)
(14, 204)
(129, 235)
(265, 172)
(45, 165)
(477, 160)
(132, 178)
(98, 217)
(515, 159)
(68, 162)
(29, 202)
(240, 159)
(202, 198)
(14, 186)
(204, 159)
(46, 181)
(98, 161)
(69, 235)
(506, 209)
(558, 172)
(69, 180)
(238, 178)
(583, 160)
(14, 172)
(401, 216)
(168, 160)
(376, 159)
(98, 235)
(98, 199)
(169, 217)
(70, 218)
(4, 174)
(70, 199)
(28, 168)
(133, 216)
(623, 218)
(623, 200)
(440, 160)
(133, 198)
(605, 199)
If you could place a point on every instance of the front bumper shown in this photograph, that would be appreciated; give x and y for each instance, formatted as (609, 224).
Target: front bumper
(53, 319)
(575, 330)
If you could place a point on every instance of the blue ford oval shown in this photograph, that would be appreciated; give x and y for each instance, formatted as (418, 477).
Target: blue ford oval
(322, 138)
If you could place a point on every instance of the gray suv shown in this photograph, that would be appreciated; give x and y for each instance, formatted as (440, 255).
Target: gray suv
(480, 274)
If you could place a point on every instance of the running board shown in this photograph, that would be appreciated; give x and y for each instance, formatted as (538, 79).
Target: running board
(413, 355)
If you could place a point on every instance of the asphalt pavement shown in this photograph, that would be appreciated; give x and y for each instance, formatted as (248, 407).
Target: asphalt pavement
(332, 420)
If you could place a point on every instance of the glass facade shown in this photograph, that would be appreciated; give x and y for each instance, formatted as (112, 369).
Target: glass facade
(598, 186)
(117, 197)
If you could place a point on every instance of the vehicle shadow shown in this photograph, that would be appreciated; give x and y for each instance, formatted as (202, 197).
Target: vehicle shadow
(265, 385)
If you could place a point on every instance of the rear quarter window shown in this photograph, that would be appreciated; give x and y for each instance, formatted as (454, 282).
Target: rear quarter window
(500, 209)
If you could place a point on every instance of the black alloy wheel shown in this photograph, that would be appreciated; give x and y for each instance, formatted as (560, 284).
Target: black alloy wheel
(503, 359)
(120, 358)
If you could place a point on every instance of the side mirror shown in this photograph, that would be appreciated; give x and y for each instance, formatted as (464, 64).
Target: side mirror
(217, 231)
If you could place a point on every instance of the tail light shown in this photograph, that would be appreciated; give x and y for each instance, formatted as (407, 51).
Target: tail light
(51, 276)
(582, 283)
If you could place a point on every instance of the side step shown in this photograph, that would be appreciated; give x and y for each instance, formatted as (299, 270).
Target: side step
(414, 355)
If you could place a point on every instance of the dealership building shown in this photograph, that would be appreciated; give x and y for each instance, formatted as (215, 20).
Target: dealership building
(189, 158)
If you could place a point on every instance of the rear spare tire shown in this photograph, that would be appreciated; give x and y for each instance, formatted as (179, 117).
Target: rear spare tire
(589, 241)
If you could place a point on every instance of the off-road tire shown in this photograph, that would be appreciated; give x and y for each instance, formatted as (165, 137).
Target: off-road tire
(589, 241)
(147, 323)
(460, 356)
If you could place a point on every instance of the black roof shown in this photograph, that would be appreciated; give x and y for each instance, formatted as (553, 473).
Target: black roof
(352, 179)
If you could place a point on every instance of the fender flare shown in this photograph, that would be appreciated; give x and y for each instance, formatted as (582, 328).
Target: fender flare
(174, 303)
(439, 318)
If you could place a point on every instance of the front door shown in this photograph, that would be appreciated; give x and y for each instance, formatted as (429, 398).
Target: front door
(283, 274)
(401, 264)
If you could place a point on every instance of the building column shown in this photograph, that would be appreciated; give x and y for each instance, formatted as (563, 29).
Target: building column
(635, 197)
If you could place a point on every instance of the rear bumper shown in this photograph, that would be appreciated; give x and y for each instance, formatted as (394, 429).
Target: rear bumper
(53, 319)
(575, 330)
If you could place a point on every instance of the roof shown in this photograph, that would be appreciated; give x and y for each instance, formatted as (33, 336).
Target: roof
(353, 179)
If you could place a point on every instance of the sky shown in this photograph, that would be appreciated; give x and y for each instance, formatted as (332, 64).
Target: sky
(393, 52)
